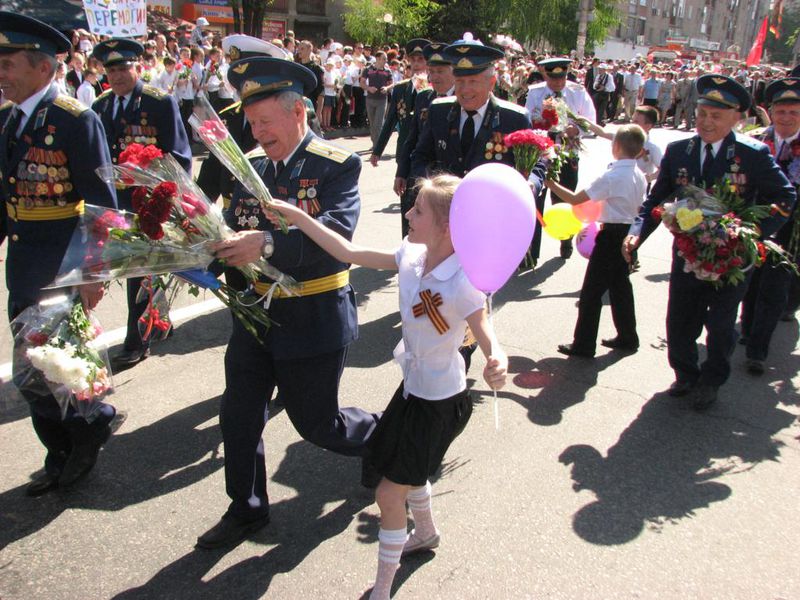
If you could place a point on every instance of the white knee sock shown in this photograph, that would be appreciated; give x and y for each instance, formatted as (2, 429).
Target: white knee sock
(419, 501)
(390, 548)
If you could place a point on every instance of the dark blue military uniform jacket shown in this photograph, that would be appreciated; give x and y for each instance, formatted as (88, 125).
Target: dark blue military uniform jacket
(784, 235)
(322, 179)
(49, 171)
(745, 162)
(399, 114)
(422, 103)
(439, 145)
(151, 117)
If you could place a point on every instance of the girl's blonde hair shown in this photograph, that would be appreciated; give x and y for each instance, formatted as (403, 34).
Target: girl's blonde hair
(438, 191)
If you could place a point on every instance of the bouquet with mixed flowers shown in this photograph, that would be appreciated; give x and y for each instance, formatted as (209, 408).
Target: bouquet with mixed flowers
(717, 234)
(57, 351)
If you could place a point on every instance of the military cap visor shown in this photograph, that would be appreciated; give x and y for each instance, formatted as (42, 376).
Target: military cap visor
(783, 91)
(556, 67)
(434, 54)
(416, 46)
(18, 32)
(117, 50)
(470, 58)
(260, 77)
(239, 46)
(721, 91)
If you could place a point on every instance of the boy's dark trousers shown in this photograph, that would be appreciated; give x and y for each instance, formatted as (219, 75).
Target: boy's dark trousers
(607, 270)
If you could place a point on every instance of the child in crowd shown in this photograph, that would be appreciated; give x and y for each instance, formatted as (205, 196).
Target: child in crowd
(330, 82)
(621, 189)
(432, 405)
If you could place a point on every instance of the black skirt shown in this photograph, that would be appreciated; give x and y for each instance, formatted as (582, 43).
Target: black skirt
(412, 436)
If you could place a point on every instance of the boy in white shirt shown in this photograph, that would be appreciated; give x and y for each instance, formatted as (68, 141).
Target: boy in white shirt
(86, 93)
(622, 190)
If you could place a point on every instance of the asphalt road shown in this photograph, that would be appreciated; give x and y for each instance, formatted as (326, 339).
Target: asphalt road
(597, 485)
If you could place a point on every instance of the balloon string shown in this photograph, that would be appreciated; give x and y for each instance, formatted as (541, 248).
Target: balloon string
(491, 353)
(540, 218)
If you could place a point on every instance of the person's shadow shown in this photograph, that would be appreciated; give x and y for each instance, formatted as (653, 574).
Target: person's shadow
(170, 454)
(664, 465)
(562, 383)
(298, 526)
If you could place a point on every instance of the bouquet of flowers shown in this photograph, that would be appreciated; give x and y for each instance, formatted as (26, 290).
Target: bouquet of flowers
(184, 69)
(218, 139)
(717, 234)
(529, 145)
(57, 351)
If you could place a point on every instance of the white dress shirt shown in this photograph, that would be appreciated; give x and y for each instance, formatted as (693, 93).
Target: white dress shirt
(477, 118)
(432, 367)
(28, 106)
(621, 189)
(86, 94)
(574, 94)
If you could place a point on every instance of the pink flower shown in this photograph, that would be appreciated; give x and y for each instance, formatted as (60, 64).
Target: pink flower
(214, 131)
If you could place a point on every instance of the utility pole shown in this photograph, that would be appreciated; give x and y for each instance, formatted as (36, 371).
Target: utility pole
(583, 21)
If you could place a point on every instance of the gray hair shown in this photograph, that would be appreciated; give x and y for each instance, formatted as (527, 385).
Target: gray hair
(288, 99)
(35, 58)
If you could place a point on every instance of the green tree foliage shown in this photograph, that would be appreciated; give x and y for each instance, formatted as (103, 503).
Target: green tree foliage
(364, 19)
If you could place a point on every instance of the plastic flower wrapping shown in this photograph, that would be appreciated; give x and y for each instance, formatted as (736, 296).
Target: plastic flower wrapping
(57, 351)
(717, 234)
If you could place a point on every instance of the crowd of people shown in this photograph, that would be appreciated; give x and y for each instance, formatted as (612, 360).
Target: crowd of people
(451, 104)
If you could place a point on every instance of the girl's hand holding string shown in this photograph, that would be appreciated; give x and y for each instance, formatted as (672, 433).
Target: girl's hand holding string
(494, 373)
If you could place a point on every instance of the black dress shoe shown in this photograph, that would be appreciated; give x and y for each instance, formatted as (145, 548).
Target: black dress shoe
(41, 485)
(754, 366)
(229, 531)
(83, 458)
(566, 249)
(571, 350)
(704, 397)
(617, 343)
(680, 388)
(129, 358)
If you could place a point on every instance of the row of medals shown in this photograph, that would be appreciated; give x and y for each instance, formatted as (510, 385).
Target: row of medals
(33, 180)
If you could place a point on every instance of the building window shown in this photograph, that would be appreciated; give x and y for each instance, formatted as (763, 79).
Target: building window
(311, 7)
(281, 6)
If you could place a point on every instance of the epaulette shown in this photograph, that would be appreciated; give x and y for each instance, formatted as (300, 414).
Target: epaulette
(511, 106)
(444, 100)
(104, 95)
(6, 105)
(537, 86)
(321, 148)
(71, 105)
(749, 142)
(233, 107)
(153, 92)
(257, 152)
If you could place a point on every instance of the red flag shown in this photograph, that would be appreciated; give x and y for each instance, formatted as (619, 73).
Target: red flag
(754, 57)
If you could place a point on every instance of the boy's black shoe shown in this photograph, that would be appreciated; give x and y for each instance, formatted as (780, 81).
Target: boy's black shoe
(680, 388)
(571, 350)
(617, 343)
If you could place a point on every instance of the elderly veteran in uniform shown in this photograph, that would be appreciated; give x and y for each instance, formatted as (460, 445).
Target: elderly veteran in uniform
(467, 130)
(50, 147)
(399, 112)
(133, 112)
(555, 85)
(304, 353)
(715, 154)
(768, 294)
(442, 82)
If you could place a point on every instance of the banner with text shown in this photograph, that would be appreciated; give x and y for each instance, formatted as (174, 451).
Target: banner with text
(117, 18)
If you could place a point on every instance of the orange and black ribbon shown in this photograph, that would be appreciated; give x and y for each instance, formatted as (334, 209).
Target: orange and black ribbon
(429, 306)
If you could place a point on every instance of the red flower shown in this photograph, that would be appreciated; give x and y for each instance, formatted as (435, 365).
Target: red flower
(149, 224)
(37, 338)
(657, 212)
(528, 137)
(736, 262)
(138, 198)
(160, 203)
(762, 251)
(551, 116)
(139, 155)
(105, 86)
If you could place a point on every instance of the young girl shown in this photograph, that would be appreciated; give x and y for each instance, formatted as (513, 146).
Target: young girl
(432, 405)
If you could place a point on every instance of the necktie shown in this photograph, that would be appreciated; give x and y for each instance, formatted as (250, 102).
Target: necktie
(468, 132)
(557, 94)
(780, 155)
(11, 127)
(120, 110)
(708, 161)
(278, 169)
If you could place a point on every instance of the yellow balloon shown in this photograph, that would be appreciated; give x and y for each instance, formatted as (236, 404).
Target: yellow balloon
(560, 222)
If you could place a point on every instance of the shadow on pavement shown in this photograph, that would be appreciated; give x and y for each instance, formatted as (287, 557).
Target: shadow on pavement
(663, 466)
(299, 525)
(522, 287)
(366, 281)
(563, 382)
(133, 467)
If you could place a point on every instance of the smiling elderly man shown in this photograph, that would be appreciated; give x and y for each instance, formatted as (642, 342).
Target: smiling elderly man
(303, 354)
(715, 154)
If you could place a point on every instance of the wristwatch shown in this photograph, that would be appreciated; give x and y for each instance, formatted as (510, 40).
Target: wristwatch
(268, 247)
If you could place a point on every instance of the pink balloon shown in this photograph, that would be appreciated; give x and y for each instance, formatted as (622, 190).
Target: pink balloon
(586, 239)
(587, 212)
(491, 223)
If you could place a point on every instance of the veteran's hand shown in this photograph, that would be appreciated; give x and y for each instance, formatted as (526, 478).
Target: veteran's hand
(399, 186)
(373, 160)
(629, 245)
(240, 249)
(91, 294)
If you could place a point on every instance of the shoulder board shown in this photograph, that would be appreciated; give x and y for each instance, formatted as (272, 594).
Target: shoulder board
(402, 82)
(153, 92)
(574, 85)
(69, 104)
(105, 94)
(322, 148)
(257, 152)
(537, 86)
(444, 100)
(232, 108)
(746, 140)
(6, 105)
(511, 106)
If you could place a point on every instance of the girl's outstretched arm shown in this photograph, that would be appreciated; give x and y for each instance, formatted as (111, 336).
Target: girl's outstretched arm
(494, 373)
(333, 243)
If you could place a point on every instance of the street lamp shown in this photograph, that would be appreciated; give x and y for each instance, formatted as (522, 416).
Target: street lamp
(388, 20)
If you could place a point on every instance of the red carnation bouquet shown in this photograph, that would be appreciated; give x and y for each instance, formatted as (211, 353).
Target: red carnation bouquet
(717, 234)
(530, 145)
